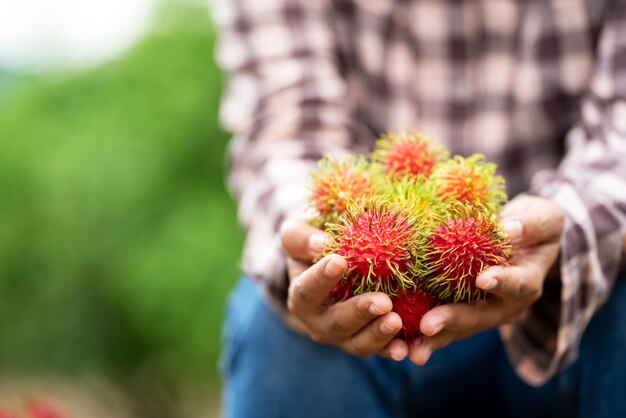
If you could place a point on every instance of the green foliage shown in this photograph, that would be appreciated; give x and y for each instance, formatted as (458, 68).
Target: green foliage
(117, 239)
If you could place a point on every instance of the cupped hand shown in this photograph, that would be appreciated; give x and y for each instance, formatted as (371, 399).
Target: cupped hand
(362, 325)
(535, 226)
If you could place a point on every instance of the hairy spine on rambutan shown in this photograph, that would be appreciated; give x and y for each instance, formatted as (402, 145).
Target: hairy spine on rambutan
(470, 180)
(408, 155)
(335, 184)
(411, 306)
(379, 241)
(465, 243)
(421, 199)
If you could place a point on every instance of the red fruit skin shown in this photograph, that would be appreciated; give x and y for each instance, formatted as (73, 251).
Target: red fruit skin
(38, 409)
(411, 306)
(464, 185)
(410, 158)
(462, 248)
(375, 243)
(332, 192)
(341, 291)
(7, 414)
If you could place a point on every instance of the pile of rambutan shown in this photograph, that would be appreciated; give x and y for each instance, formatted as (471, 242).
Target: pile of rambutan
(412, 223)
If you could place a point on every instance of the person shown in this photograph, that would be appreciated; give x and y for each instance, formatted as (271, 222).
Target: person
(540, 88)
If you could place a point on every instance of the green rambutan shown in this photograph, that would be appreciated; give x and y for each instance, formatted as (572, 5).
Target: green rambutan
(470, 180)
(337, 183)
(408, 155)
(379, 241)
(411, 306)
(421, 199)
(463, 245)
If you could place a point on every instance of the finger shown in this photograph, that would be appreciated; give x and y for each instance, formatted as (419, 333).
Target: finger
(308, 291)
(532, 222)
(345, 319)
(375, 336)
(396, 350)
(300, 240)
(422, 350)
(511, 282)
(461, 317)
(295, 267)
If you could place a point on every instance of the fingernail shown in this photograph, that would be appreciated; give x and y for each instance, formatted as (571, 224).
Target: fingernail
(373, 309)
(317, 243)
(421, 354)
(332, 268)
(488, 284)
(436, 329)
(514, 230)
(426, 356)
(386, 329)
(396, 355)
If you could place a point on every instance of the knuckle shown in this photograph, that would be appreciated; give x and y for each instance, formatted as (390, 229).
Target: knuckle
(298, 292)
(337, 328)
(295, 297)
(292, 307)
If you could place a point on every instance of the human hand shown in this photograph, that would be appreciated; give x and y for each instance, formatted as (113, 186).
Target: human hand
(535, 226)
(362, 325)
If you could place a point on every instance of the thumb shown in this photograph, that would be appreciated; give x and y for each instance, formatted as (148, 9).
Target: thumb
(540, 221)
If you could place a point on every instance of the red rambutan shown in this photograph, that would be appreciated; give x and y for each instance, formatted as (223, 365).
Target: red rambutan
(468, 242)
(470, 180)
(408, 155)
(337, 183)
(378, 241)
(342, 290)
(37, 409)
(411, 307)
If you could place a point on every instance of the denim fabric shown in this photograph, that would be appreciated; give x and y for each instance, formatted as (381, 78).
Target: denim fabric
(271, 372)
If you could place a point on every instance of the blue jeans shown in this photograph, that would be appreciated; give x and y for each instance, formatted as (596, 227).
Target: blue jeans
(271, 372)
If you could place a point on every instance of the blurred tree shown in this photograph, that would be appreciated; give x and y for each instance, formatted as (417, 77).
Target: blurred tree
(118, 242)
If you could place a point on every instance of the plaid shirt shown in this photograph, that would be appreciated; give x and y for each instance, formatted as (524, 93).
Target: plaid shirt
(539, 86)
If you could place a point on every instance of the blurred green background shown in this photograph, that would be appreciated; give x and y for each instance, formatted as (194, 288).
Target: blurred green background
(118, 241)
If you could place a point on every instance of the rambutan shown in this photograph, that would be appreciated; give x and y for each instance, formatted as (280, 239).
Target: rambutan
(411, 306)
(421, 199)
(470, 180)
(379, 242)
(7, 414)
(466, 243)
(342, 290)
(336, 184)
(41, 410)
(408, 155)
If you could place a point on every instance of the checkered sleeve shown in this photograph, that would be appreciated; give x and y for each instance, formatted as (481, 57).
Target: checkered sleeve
(286, 105)
(590, 186)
